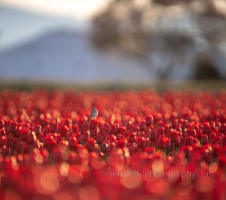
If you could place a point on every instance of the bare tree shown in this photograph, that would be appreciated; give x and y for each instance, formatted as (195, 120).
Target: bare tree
(139, 27)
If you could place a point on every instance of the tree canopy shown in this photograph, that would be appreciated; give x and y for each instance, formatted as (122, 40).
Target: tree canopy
(136, 25)
(140, 26)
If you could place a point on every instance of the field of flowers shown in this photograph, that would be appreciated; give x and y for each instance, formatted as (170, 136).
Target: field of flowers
(143, 145)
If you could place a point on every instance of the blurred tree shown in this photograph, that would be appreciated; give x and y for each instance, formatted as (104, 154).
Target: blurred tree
(140, 27)
(205, 64)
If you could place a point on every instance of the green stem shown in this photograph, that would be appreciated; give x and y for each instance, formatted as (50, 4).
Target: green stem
(149, 134)
(100, 147)
(105, 157)
(173, 149)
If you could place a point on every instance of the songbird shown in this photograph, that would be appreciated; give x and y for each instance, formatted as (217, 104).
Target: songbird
(93, 114)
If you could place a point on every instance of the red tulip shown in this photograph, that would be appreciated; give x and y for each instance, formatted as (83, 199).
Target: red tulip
(86, 135)
(73, 144)
(142, 125)
(174, 135)
(122, 143)
(90, 144)
(2, 124)
(112, 129)
(163, 142)
(111, 138)
(106, 146)
(203, 139)
(149, 120)
(132, 137)
(54, 127)
(93, 124)
(74, 128)
(12, 127)
(153, 136)
(37, 129)
(99, 139)
(63, 130)
(141, 142)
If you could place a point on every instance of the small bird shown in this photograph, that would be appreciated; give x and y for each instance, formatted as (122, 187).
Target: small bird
(93, 114)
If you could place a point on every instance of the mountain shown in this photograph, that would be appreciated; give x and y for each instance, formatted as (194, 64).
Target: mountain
(41, 47)
(66, 55)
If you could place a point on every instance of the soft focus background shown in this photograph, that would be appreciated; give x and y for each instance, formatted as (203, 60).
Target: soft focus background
(112, 40)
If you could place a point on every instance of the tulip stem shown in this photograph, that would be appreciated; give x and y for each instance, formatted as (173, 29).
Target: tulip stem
(100, 146)
(173, 149)
(105, 157)
(149, 134)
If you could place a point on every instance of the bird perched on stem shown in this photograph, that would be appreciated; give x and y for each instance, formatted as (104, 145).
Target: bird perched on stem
(93, 114)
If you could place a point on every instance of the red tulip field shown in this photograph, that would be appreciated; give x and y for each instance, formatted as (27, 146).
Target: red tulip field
(141, 145)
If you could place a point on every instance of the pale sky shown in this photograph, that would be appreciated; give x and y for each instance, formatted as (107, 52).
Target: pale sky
(17, 28)
(79, 9)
